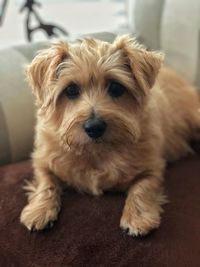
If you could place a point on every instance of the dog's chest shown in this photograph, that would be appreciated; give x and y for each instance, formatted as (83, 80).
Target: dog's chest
(95, 175)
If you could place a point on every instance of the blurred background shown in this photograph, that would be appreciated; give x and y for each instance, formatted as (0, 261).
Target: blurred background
(37, 20)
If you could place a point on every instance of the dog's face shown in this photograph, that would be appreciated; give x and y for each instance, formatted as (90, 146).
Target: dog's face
(93, 93)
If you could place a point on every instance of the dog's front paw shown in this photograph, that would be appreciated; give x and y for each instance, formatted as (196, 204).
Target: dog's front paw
(37, 218)
(139, 225)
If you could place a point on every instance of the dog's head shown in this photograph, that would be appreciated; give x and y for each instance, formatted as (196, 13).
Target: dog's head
(92, 91)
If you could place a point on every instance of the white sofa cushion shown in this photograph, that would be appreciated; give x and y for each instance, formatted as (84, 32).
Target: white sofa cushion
(172, 26)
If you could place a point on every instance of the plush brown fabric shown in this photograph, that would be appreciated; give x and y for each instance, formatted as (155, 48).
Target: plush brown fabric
(88, 234)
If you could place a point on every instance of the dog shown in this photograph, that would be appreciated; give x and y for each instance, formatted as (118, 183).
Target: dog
(109, 117)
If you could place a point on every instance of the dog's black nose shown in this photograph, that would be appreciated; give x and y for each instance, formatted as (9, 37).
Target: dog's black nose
(95, 127)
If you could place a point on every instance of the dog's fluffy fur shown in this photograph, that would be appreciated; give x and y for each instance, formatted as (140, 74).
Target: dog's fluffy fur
(151, 123)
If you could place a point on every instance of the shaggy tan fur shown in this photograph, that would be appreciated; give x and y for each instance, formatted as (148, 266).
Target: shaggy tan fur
(152, 122)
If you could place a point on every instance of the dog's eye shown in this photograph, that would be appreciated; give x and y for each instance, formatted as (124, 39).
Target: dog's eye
(116, 89)
(72, 91)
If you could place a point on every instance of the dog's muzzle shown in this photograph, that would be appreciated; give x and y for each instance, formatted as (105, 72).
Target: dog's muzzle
(95, 127)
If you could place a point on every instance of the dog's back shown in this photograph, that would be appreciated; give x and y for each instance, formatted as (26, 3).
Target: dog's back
(178, 111)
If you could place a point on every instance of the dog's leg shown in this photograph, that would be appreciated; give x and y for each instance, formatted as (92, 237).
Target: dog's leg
(44, 200)
(142, 209)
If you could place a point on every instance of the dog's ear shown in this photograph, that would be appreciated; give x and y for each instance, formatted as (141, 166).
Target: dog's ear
(144, 64)
(43, 68)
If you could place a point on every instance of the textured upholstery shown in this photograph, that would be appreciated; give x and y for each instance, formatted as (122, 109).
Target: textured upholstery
(88, 234)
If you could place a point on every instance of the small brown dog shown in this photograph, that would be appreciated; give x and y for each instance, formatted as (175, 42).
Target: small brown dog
(108, 118)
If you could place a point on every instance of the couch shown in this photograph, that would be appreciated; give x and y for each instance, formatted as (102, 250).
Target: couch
(87, 232)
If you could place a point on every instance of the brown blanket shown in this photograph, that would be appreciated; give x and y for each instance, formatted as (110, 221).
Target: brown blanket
(88, 234)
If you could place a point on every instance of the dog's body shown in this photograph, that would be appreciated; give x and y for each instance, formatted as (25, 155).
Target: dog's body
(145, 119)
